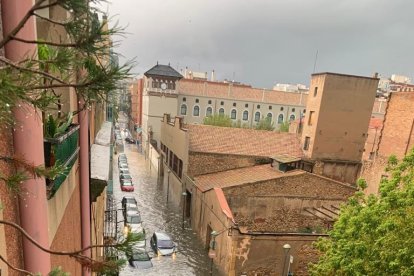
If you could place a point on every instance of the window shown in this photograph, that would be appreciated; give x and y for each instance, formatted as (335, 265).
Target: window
(315, 92)
(270, 107)
(209, 101)
(246, 105)
(257, 116)
(311, 118)
(170, 159)
(180, 168)
(280, 119)
(233, 114)
(304, 111)
(234, 104)
(197, 100)
(171, 85)
(258, 106)
(222, 103)
(221, 111)
(281, 109)
(306, 144)
(245, 115)
(183, 109)
(269, 115)
(293, 110)
(175, 164)
(209, 111)
(196, 110)
(292, 117)
(184, 99)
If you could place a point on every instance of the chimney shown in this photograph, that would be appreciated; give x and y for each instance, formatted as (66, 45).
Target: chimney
(185, 72)
(212, 76)
(206, 76)
(375, 75)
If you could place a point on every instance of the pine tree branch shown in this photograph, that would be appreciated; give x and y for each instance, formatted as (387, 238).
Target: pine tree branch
(15, 268)
(37, 6)
(51, 20)
(38, 42)
(14, 65)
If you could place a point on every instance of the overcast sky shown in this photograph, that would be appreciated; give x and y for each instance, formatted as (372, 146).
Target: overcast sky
(263, 42)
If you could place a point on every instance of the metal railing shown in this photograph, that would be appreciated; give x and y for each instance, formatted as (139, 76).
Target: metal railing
(61, 150)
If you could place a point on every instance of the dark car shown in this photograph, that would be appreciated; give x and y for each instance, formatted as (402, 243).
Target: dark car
(129, 140)
(162, 244)
(128, 200)
(140, 259)
(124, 177)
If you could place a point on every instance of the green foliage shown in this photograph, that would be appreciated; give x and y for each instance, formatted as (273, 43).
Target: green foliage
(218, 120)
(374, 234)
(54, 127)
(265, 124)
(57, 271)
(284, 127)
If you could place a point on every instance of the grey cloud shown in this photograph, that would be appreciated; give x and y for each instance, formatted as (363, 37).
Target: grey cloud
(264, 41)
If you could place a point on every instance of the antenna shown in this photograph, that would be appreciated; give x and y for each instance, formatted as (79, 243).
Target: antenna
(316, 59)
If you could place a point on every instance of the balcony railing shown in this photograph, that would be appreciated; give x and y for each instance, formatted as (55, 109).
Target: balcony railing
(61, 150)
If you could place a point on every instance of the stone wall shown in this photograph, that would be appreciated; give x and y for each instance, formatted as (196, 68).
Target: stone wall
(262, 255)
(202, 163)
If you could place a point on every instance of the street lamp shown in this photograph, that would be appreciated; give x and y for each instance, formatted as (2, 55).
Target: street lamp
(286, 248)
(168, 183)
(184, 204)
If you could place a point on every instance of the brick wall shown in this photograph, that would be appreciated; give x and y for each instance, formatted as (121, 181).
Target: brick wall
(68, 236)
(202, 163)
(397, 136)
(10, 204)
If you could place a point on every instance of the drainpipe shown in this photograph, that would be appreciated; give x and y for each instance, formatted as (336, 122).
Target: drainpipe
(33, 203)
(84, 179)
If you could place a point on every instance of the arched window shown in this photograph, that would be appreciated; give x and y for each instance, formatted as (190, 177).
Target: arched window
(270, 116)
(221, 111)
(245, 115)
(196, 110)
(183, 109)
(280, 119)
(292, 117)
(233, 114)
(209, 111)
(257, 116)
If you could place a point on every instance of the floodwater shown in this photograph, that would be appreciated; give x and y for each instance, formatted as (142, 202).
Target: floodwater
(157, 215)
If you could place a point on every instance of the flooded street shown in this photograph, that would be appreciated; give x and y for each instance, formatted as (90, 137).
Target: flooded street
(157, 215)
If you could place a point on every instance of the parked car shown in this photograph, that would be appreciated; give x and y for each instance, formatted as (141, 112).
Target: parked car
(128, 200)
(124, 171)
(129, 140)
(162, 244)
(122, 157)
(123, 165)
(140, 259)
(134, 223)
(124, 177)
(130, 209)
(127, 186)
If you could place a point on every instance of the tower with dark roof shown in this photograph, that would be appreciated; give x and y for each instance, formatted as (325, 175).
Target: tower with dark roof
(159, 97)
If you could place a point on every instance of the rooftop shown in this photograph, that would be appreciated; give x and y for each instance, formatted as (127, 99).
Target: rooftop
(163, 71)
(344, 75)
(239, 92)
(240, 176)
(241, 141)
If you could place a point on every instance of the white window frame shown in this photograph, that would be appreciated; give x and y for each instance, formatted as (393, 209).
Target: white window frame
(247, 115)
(260, 114)
(198, 110)
(231, 113)
(186, 109)
(283, 118)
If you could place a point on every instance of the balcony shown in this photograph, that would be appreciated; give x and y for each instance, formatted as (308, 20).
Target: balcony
(63, 150)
